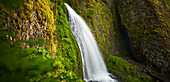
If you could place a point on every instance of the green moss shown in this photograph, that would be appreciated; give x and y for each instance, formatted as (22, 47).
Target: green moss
(125, 70)
(90, 12)
(97, 15)
(144, 27)
(67, 50)
(19, 64)
(40, 41)
(120, 64)
(136, 78)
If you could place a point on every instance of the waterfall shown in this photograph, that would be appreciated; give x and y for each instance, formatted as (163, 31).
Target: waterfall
(94, 68)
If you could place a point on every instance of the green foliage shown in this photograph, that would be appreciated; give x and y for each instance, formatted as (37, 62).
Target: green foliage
(29, 64)
(45, 53)
(90, 12)
(40, 41)
(63, 70)
(125, 70)
(160, 74)
(136, 78)
(66, 40)
(18, 64)
(120, 64)
(60, 10)
(67, 47)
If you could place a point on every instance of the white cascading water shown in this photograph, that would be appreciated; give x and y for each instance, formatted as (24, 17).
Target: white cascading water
(94, 68)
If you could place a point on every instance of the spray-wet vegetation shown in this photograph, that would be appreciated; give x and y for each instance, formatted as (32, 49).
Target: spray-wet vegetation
(37, 44)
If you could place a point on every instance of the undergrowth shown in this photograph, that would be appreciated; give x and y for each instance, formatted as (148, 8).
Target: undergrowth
(17, 64)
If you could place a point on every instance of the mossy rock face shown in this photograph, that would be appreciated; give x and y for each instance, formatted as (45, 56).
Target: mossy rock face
(32, 21)
(147, 23)
(125, 70)
(47, 20)
(120, 64)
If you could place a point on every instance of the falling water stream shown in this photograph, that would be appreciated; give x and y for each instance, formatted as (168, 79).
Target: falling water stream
(94, 68)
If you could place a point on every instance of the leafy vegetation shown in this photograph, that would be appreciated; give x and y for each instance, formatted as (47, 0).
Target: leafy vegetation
(40, 41)
(17, 64)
